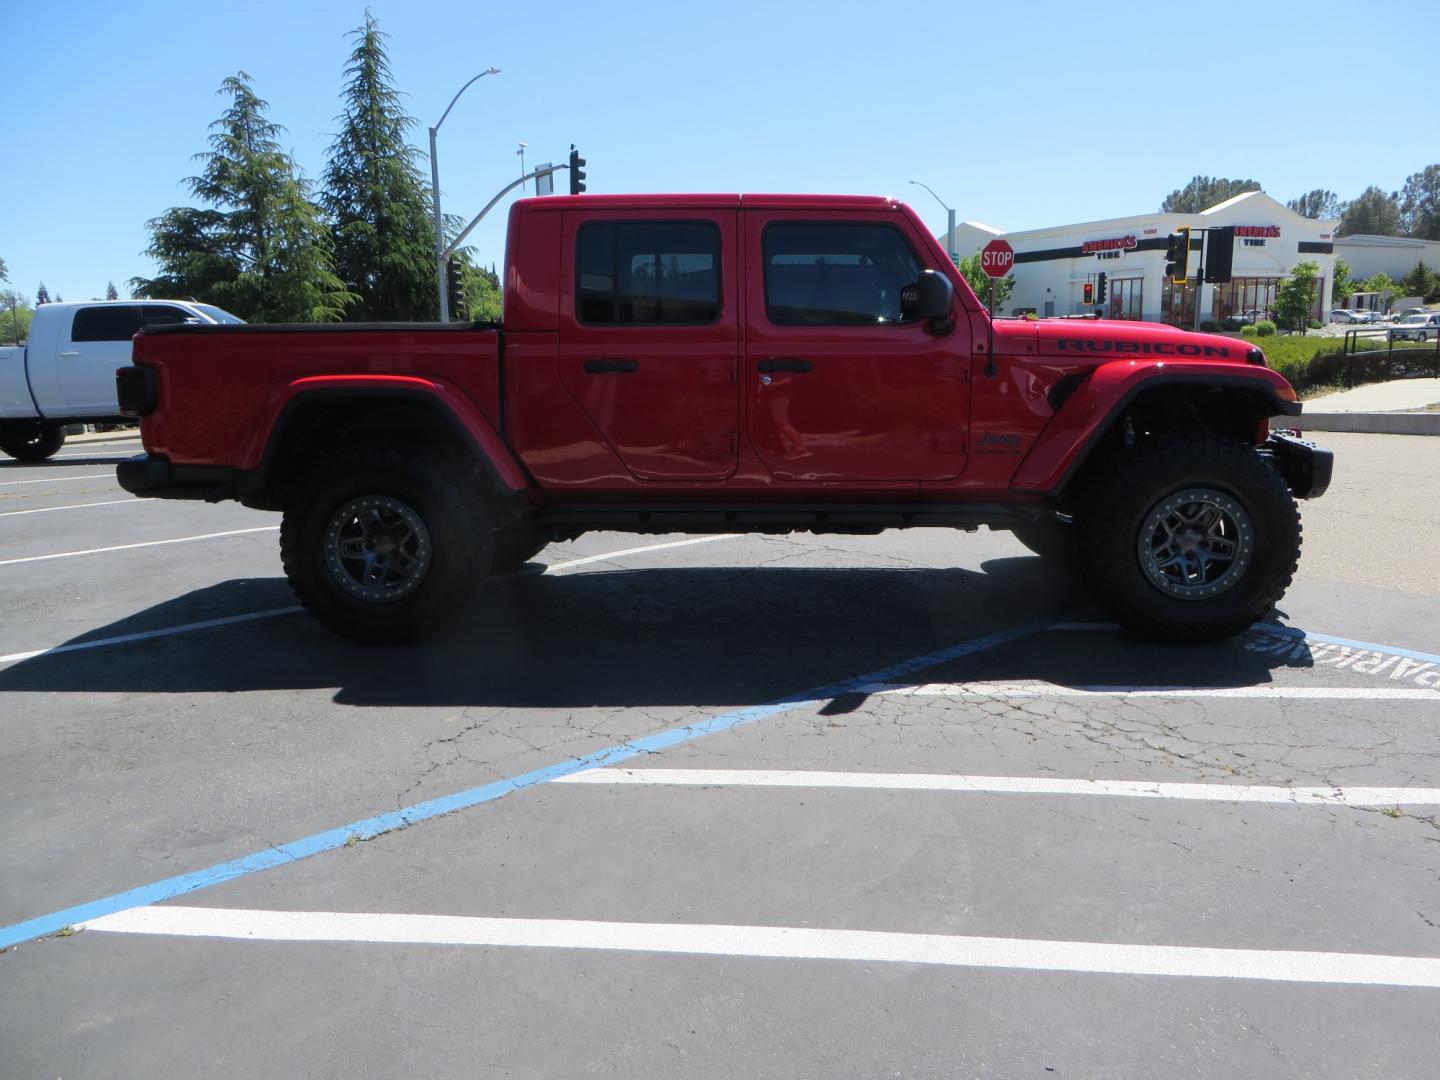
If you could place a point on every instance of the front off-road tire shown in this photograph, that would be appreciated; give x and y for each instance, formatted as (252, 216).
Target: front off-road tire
(383, 546)
(1188, 540)
(31, 440)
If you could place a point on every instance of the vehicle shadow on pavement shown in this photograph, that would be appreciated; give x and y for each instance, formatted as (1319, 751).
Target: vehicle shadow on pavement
(634, 638)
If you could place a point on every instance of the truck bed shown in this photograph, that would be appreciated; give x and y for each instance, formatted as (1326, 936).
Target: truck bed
(235, 387)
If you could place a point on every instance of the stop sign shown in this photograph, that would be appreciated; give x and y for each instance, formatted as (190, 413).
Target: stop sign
(997, 258)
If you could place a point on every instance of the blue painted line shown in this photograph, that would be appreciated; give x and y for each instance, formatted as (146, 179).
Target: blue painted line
(366, 828)
(1297, 634)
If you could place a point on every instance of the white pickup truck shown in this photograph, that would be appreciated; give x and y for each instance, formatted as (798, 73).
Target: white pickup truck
(65, 374)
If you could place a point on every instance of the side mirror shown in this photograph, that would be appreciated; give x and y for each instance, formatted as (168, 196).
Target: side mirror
(931, 298)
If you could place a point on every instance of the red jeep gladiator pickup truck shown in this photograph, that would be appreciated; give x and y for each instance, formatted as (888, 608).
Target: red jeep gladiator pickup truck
(728, 363)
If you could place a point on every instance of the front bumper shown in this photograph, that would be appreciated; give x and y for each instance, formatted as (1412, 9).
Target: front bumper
(1306, 467)
(152, 476)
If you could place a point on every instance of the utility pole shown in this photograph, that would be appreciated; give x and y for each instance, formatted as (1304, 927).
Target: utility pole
(950, 224)
(435, 197)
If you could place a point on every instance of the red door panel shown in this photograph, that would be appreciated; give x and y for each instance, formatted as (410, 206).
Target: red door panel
(649, 337)
(831, 393)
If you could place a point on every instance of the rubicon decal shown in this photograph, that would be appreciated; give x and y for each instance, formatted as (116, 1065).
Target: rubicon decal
(1142, 348)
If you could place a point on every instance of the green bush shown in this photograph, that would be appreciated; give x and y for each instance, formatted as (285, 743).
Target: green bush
(1264, 328)
(1249, 332)
(1316, 324)
(1209, 326)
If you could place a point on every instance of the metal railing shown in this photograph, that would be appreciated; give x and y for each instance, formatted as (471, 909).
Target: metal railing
(1407, 360)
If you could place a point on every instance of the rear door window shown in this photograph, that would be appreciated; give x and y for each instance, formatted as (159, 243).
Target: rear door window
(638, 272)
(113, 322)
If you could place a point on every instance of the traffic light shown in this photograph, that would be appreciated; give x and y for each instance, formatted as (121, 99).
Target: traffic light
(1177, 254)
(1088, 289)
(1100, 288)
(577, 171)
(455, 288)
(1219, 254)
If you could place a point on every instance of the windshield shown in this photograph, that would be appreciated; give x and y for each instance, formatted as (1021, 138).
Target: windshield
(220, 315)
(1414, 318)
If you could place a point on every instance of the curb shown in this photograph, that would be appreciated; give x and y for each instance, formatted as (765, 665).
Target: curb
(1370, 423)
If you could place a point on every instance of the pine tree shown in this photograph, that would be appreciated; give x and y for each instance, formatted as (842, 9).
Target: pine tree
(1204, 192)
(263, 251)
(1373, 213)
(111, 293)
(42, 296)
(374, 195)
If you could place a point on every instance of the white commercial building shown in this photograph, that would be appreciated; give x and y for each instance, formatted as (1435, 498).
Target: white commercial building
(1052, 266)
(1394, 255)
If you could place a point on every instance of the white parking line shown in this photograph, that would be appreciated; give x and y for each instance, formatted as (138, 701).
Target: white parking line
(146, 635)
(130, 547)
(985, 691)
(609, 556)
(1012, 785)
(780, 942)
(186, 628)
(60, 479)
(81, 506)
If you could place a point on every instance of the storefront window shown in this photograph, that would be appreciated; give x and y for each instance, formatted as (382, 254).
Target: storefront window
(1125, 297)
(1250, 299)
(1177, 302)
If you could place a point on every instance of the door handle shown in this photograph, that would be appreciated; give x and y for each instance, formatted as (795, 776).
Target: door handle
(611, 365)
(72, 352)
(780, 363)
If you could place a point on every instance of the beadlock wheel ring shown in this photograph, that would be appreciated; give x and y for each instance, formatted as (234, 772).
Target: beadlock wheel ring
(377, 549)
(1196, 544)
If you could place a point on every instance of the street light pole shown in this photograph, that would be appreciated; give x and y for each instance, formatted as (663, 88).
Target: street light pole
(435, 197)
(950, 224)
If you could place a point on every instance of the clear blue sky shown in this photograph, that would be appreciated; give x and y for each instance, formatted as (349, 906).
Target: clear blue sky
(1018, 114)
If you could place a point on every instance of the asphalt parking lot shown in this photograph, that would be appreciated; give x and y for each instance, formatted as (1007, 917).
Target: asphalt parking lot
(899, 806)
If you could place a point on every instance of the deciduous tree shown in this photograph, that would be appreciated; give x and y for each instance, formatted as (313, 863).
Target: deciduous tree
(1422, 282)
(1374, 213)
(375, 198)
(1296, 295)
(1385, 285)
(1316, 204)
(1420, 204)
(259, 248)
(15, 316)
(1341, 285)
(980, 282)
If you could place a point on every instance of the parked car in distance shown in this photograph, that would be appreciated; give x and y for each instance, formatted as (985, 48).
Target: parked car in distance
(1412, 311)
(65, 373)
(1345, 315)
(1423, 327)
(1248, 317)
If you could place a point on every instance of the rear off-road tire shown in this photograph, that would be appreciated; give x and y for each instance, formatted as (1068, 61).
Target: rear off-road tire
(385, 546)
(1189, 540)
